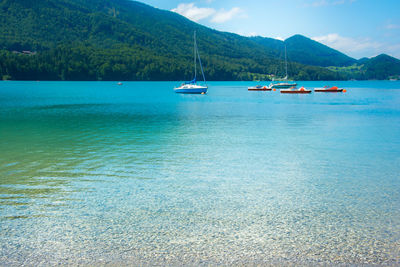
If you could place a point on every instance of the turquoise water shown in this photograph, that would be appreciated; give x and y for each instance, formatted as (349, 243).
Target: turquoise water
(92, 173)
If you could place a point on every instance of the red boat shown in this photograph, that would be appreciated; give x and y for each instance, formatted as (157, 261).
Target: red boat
(259, 88)
(333, 89)
(293, 90)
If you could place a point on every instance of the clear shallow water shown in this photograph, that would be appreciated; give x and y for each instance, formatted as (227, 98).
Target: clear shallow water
(94, 173)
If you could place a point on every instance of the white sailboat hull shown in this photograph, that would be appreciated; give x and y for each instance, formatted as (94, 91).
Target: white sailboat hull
(191, 89)
(283, 85)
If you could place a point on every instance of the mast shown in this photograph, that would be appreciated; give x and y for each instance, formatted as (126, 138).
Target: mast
(194, 50)
(285, 64)
(201, 65)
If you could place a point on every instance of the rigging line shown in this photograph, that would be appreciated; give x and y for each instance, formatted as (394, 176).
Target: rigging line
(201, 66)
(194, 48)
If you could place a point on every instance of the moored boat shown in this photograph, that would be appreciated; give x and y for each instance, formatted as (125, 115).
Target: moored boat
(284, 85)
(333, 89)
(259, 88)
(192, 87)
(293, 90)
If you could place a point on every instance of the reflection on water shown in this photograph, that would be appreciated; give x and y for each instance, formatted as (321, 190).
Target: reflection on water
(93, 175)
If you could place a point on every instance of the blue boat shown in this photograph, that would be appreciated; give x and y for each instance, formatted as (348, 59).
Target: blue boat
(192, 87)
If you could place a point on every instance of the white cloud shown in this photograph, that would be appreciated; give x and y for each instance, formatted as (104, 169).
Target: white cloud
(349, 45)
(361, 47)
(222, 16)
(195, 13)
(392, 26)
(279, 38)
(192, 12)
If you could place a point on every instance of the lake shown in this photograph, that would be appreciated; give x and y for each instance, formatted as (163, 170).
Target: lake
(93, 173)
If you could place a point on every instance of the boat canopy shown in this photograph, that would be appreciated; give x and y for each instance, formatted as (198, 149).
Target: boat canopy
(191, 82)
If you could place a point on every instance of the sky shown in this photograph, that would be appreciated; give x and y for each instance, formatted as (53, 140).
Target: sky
(358, 28)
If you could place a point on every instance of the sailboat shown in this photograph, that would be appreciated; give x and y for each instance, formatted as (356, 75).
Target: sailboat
(192, 87)
(283, 85)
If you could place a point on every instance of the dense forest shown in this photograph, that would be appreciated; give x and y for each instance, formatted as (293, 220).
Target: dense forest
(85, 62)
(122, 40)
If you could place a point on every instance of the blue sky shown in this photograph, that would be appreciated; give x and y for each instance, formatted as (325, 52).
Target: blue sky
(358, 28)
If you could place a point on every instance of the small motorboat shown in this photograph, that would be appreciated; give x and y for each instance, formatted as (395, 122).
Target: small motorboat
(333, 89)
(283, 85)
(259, 88)
(294, 90)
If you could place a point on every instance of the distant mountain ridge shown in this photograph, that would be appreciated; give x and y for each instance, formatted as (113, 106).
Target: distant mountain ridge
(381, 67)
(304, 50)
(122, 40)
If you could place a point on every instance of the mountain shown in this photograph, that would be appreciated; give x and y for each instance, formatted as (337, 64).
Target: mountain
(306, 51)
(124, 40)
(275, 46)
(362, 61)
(128, 40)
(381, 67)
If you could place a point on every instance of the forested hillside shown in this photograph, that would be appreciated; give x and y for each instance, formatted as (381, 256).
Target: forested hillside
(124, 40)
(307, 51)
(128, 40)
(381, 67)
